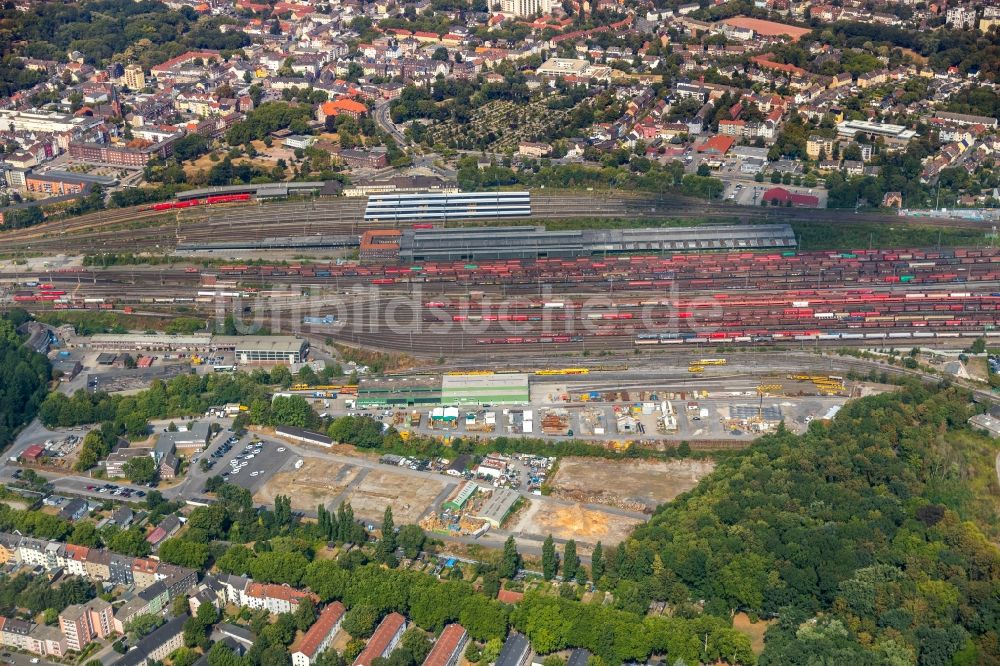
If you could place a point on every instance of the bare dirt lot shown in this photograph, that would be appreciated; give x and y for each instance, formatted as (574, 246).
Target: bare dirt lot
(574, 522)
(316, 482)
(409, 496)
(639, 485)
(755, 630)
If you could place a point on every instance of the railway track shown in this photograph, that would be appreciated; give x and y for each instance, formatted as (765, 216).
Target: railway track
(114, 230)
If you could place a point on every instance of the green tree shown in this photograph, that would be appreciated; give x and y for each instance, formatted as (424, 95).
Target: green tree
(387, 546)
(571, 562)
(305, 614)
(510, 562)
(550, 563)
(183, 552)
(360, 621)
(411, 539)
(597, 562)
(140, 469)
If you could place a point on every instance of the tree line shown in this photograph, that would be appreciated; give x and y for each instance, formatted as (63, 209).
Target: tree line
(24, 378)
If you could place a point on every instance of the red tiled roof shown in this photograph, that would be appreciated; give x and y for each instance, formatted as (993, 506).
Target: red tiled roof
(327, 620)
(719, 143)
(449, 641)
(343, 105)
(380, 640)
(78, 553)
(783, 195)
(509, 596)
(269, 590)
(765, 62)
(147, 566)
(185, 57)
(156, 536)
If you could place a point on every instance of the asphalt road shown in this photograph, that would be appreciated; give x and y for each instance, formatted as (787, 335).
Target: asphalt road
(383, 120)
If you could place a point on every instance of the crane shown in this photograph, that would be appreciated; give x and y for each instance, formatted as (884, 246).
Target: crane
(763, 389)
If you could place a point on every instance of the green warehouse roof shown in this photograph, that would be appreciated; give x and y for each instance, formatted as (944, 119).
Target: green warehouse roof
(483, 389)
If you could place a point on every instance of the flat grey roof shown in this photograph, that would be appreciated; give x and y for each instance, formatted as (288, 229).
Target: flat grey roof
(149, 339)
(271, 343)
(495, 509)
(528, 241)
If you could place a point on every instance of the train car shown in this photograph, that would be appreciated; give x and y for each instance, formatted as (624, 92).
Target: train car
(227, 198)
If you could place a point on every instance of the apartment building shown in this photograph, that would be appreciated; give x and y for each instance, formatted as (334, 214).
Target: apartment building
(81, 624)
(319, 636)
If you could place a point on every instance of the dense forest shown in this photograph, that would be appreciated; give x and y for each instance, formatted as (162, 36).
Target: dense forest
(24, 376)
(968, 50)
(860, 538)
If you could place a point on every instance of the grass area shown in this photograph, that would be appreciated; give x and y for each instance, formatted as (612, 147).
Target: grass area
(89, 322)
(814, 236)
(971, 477)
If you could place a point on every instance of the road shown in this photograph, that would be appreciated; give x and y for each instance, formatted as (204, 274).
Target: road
(383, 120)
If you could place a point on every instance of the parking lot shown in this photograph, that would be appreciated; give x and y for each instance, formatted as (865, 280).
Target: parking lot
(248, 461)
(747, 192)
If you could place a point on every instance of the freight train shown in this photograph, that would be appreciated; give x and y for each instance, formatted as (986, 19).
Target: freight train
(206, 201)
(747, 271)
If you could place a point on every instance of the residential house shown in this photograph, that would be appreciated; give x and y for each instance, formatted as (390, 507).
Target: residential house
(273, 598)
(156, 597)
(74, 510)
(33, 551)
(448, 648)
(384, 640)
(533, 149)
(75, 559)
(157, 645)
(98, 565)
(120, 568)
(319, 636)
(9, 548)
(144, 572)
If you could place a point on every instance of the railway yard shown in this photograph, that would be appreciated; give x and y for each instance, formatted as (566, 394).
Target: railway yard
(701, 338)
(160, 230)
(639, 302)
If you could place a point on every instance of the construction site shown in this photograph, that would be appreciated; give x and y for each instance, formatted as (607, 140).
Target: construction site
(633, 485)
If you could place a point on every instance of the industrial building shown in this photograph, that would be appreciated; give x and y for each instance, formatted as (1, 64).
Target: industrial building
(304, 436)
(496, 509)
(263, 348)
(535, 242)
(248, 349)
(151, 342)
(447, 390)
(443, 206)
(399, 391)
(264, 190)
(461, 496)
(484, 389)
